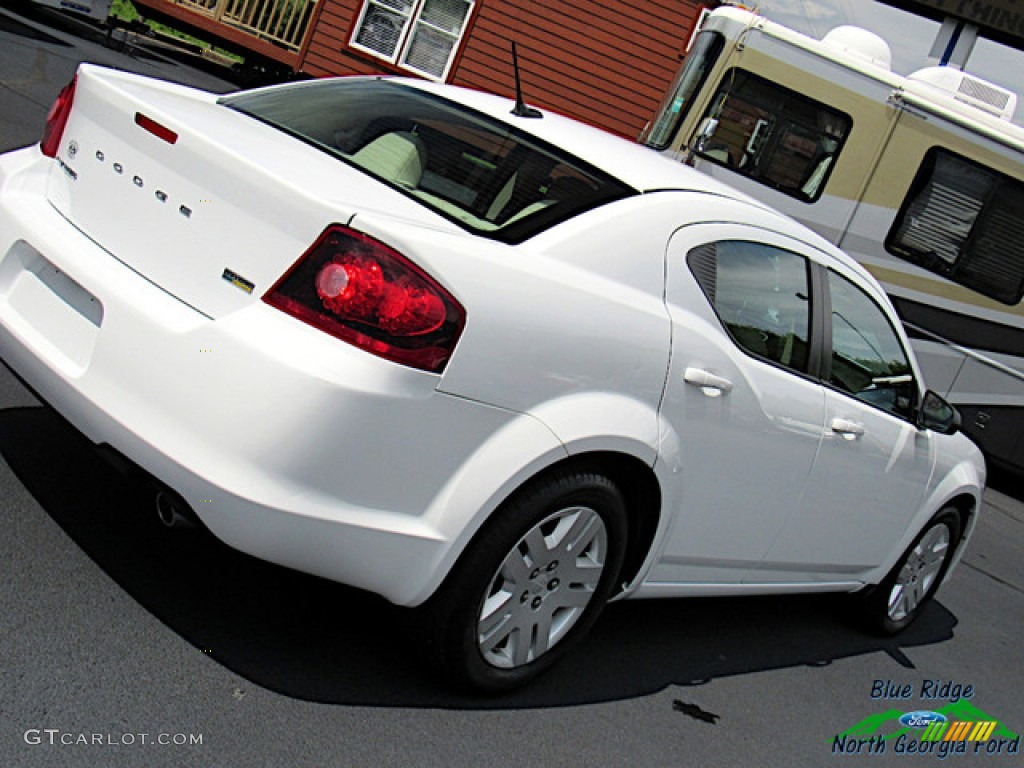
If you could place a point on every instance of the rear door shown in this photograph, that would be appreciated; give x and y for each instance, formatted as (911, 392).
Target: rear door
(740, 397)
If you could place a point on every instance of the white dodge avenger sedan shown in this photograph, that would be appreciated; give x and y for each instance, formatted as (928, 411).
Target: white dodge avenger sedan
(498, 365)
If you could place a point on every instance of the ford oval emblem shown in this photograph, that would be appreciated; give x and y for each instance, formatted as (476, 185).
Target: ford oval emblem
(921, 719)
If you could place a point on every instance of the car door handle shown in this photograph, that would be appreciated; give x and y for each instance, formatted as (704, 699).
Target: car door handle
(710, 384)
(850, 430)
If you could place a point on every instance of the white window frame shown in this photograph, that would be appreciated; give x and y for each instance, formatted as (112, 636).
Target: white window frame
(412, 22)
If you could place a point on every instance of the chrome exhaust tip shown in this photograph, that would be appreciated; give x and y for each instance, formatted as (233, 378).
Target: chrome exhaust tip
(173, 511)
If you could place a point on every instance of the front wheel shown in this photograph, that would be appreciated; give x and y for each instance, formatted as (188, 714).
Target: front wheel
(913, 581)
(531, 583)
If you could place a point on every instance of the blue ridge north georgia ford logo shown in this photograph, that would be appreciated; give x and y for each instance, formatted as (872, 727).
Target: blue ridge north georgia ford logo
(956, 725)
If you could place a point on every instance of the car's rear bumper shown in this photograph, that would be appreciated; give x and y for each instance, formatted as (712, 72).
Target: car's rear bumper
(288, 444)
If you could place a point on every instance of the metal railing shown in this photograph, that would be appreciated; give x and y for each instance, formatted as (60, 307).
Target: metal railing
(280, 21)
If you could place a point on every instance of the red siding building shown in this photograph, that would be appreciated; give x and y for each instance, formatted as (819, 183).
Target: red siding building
(606, 62)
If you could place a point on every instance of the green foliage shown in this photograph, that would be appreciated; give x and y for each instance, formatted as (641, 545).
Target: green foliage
(124, 10)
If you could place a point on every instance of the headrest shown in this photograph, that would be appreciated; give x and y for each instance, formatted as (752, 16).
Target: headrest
(398, 157)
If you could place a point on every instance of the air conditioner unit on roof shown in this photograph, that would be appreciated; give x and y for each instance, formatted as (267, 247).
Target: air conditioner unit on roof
(966, 89)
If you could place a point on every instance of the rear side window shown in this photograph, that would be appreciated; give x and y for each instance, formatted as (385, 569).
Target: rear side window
(965, 222)
(773, 135)
(760, 293)
(479, 172)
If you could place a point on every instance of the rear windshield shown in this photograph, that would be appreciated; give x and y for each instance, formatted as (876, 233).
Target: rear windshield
(476, 171)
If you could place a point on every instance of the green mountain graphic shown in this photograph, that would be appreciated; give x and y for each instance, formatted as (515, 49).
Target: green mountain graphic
(887, 724)
(872, 725)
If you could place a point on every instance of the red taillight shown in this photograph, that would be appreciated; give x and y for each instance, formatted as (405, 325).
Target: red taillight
(57, 118)
(362, 291)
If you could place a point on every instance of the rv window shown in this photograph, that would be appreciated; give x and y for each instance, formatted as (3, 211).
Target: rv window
(773, 135)
(690, 79)
(965, 222)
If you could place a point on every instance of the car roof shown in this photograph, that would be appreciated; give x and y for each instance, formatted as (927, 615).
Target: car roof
(640, 167)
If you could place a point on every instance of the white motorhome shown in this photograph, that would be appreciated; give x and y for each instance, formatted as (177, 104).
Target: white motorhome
(97, 10)
(920, 177)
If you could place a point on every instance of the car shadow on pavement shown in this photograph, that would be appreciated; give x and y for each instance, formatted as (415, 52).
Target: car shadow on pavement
(311, 639)
(14, 26)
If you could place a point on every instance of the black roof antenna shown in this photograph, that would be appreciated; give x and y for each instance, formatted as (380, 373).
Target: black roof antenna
(521, 110)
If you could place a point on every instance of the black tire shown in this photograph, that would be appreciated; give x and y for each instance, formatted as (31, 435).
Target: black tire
(894, 604)
(515, 603)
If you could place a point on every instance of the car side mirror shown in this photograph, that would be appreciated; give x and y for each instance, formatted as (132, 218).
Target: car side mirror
(937, 415)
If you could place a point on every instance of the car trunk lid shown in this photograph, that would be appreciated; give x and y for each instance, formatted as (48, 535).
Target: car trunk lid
(207, 203)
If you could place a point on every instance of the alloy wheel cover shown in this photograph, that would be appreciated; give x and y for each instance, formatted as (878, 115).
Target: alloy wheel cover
(542, 587)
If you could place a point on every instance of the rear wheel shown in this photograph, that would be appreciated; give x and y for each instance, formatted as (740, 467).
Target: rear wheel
(913, 581)
(531, 583)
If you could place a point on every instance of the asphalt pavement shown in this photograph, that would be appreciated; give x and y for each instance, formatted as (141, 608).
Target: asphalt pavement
(125, 644)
